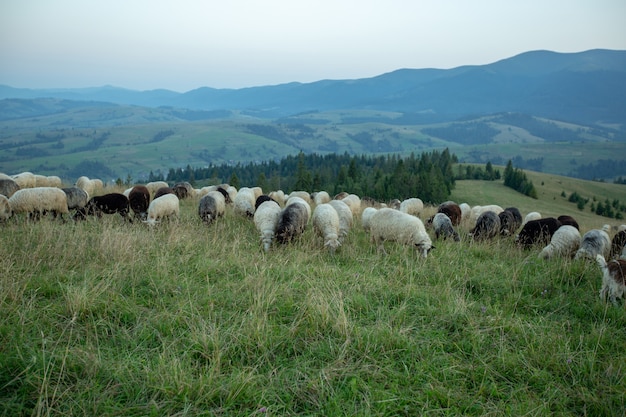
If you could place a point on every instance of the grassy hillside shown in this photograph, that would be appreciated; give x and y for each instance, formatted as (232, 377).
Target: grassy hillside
(108, 318)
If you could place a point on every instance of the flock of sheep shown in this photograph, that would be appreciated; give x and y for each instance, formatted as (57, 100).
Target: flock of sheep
(281, 218)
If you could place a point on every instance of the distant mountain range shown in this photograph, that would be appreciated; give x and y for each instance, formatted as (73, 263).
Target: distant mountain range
(585, 88)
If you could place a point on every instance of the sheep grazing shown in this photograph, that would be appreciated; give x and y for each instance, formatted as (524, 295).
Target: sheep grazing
(568, 220)
(353, 201)
(88, 185)
(346, 217)
(8, 187)
(538, 231)
(613, 278)
(77, 198)
(533, 215)
(564, 243)
(292, 220)
(321, 197)
(487, 226)
(38, 201)
(105, 204)
(163, 191)
(412, 206)
(302, 194)
(366, 217)
(25, 180)
(510, 221)
(326, 224)
(478, 210)
(262, 199)
(618, 244)
(452, 210)
(211, 206)
(266, 218)
(388, 224)
(595, 242)
(278, 196)
(5, 208)
(165, 207)
(442, 224)
(466, 211)
(153, 186)
(139, 200)
(244, 201)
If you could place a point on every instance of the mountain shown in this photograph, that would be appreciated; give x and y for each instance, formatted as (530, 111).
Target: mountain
(585, 87)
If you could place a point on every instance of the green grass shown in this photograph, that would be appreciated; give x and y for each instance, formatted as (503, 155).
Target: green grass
(107, 318)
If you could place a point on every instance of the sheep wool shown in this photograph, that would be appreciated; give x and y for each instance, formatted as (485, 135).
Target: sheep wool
(345, 217)
(366, 217)
(594, 242)
(564, 243)
(266, 221)
(326, 224)
(443, 227)
(392, 225)
(5, 208)
(613, 278)
(36, 201)
(164, 207)
(243, 204)
(412, 206)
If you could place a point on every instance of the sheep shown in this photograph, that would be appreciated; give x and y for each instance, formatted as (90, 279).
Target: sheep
(533, 215)
(613, 278)
(153, 186)
(162, 191)
(266, 218)
(262, 199)
(366, 217)
(243, 203)
(326, 224)
(139, 200)
(302, 194)
(466, 211)
(8, 187)
(388, 224)
(86, 184)
(478, 210)
(443, 227)
(77, 198)
(205, 190)
(54, 181)
(354, 202)
(537, 231)
(321, 197)
(568, 220)
(165, 207)
(292, 220)
(25, 180)
(211, 206)
(564, 243)
(105, 204)
(412, 206)
(39, 200)
(510, 221)
(232, 193)
(487, 226)
(5, 208)
(346, 217)
(395, 204)
(181, 191)
(617, 244)
(452, 210)
(278, 196)
(226, 195)
(594, 242)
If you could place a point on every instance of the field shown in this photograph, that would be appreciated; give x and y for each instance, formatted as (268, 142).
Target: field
(108, 318)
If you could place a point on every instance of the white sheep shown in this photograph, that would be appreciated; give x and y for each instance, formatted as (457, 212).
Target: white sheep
(442, 225)
(25, 180)
(326, 224)
(266, 221)
(153, 186)
(321, 197)
(164, 207)
(211, 206)
(278, 196)
(594, 242)
(304, 195)
(613, 278)
(86, 184)
(354, 202)
(366, 217)
(412, 206)
(55, 181)
(564, 243)
(346, 217)
(478, 210)
(466, 211)
(243, 204)
(533, 215)
(39, 200)
(5, 208)
(299, 200)
(393, 225)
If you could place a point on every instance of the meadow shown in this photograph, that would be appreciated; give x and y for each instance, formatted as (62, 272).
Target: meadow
(183, 319)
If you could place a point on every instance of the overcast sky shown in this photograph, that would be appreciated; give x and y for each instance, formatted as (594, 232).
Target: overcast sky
(185, 44)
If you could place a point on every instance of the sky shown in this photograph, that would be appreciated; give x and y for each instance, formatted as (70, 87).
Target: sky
(181, 45)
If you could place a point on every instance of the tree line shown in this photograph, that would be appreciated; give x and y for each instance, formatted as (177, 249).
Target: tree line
(428, 176)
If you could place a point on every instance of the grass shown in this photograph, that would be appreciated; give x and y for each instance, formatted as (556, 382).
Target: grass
(107, 318)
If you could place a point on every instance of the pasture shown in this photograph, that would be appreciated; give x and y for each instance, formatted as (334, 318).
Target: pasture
(107, 318)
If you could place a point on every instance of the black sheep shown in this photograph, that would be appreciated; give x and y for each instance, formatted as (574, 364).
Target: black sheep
(108, 204)
(139, 200)
(538, 231)
(292, 222)
(487, 226)
(568, 220)
(510, 221)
